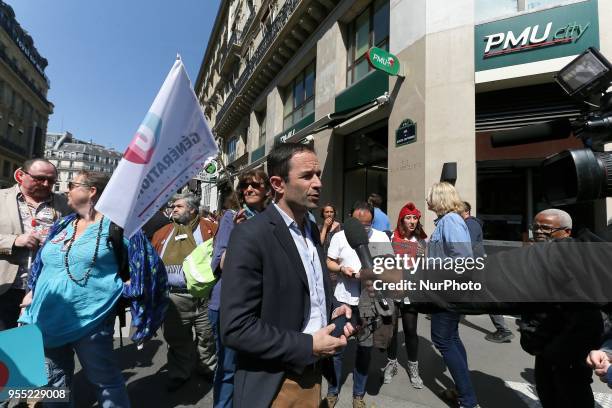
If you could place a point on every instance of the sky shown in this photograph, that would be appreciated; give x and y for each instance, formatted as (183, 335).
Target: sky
(108, 59)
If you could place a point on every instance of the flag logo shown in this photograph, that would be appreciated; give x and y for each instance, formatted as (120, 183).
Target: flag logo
(4, 375)
(143, 144)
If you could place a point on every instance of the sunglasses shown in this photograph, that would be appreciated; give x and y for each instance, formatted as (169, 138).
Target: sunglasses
(41, 179)
(73, 184)
(253, 184)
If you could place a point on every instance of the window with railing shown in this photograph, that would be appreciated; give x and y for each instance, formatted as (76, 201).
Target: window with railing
(6, 169)
(231, 149)
(262, 129)
(369, 29)
(300, 97)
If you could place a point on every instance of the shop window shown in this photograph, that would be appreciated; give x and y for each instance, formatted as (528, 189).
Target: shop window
(369, 29)
(536, 4)
(300, 97)
(490, 9)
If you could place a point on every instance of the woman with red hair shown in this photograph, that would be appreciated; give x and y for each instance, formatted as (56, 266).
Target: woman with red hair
(408, 239)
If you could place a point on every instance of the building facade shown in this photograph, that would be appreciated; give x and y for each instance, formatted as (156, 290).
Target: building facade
(24, 108)
(70, 155)
(296, 70)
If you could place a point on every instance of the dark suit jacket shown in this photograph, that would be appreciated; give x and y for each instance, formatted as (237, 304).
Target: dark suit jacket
(265, 304)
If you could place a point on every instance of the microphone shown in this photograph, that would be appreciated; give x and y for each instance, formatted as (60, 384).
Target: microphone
(357, 238)
(597, 124)
(542, 132)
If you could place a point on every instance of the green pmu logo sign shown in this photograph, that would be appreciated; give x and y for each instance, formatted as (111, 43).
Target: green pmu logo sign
(546, 34)
(532, 37)
(383, 61)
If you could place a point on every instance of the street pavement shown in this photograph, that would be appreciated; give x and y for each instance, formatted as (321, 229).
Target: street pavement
(502, 375)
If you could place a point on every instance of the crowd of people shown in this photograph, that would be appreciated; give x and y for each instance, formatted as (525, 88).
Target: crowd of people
(264, 332)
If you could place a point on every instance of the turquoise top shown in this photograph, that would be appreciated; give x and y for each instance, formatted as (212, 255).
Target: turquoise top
(66, 311)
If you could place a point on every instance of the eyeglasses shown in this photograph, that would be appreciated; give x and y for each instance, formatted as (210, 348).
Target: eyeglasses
(41, 179)
(253, 184)
(546, 229)
(73, 184)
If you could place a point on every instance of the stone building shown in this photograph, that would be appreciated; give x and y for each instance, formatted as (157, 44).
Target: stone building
(297, 70)
(24, 108)
(70, 155)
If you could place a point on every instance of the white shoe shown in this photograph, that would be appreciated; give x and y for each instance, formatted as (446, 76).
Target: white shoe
(389, 371)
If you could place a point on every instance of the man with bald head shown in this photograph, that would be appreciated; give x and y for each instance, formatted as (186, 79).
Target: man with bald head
(561, 337)
(28, 209)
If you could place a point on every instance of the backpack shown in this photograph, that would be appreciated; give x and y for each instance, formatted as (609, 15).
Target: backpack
(199, 276)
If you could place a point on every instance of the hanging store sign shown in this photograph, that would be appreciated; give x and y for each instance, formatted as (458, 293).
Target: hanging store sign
(383, 61)
(405, 133)
(282, 137)
(547, 34)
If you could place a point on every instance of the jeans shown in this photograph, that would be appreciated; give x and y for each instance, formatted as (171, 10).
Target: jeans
(360, 372)
(95, 352)
(500, 323)
(223, 386)
(445, 336)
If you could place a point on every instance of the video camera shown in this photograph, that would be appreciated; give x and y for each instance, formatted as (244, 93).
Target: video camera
(579, 174)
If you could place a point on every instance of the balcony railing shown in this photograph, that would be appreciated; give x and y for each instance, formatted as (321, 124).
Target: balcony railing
(277, 25)
(21, 75)
(14, 147)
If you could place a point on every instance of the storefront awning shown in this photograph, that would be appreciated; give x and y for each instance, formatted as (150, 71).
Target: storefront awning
(332, 120)
(328, 121)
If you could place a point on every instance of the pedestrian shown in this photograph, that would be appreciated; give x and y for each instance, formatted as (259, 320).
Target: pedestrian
(381, 220)
(75, 289)
(450, 239)
(276, 305)
(561, 336)
(328, 228)
(343, 260)
(186, 313)
(409, 241)
(28, 209)
(254, 191)
(502, 333)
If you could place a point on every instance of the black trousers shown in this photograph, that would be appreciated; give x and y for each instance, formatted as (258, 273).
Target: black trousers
(9, 308)
(563, 384)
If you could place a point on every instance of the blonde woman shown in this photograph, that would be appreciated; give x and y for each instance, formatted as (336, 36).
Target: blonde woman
(450, 239)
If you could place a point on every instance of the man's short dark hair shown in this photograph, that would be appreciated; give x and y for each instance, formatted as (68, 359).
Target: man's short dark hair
(27, 165)
(375, 200)
(364, 206)
(281, 154)
(467, 206)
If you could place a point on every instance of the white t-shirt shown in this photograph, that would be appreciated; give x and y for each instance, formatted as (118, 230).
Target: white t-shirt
(348, 289)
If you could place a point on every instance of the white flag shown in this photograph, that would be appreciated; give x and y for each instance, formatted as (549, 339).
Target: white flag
(170, 147)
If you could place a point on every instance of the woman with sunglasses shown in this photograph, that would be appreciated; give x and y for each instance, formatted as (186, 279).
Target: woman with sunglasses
(408, 240)
(76, 287)
(253, 192)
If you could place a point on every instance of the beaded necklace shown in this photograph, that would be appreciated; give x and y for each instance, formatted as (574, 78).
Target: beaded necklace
(85, 277)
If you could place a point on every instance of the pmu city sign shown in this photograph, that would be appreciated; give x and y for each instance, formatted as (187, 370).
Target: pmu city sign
(536, 36)
(383, 61)
(532, 37)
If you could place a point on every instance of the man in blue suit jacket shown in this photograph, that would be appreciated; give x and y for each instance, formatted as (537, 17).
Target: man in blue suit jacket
(276, 300)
